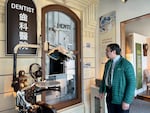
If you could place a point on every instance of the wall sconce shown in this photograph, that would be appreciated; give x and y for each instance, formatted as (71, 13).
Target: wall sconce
(145, 48)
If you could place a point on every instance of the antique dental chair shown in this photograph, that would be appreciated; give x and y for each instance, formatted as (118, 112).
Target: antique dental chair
(25, 94)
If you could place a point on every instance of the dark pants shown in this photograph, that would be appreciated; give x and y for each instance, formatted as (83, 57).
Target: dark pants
(113, 108)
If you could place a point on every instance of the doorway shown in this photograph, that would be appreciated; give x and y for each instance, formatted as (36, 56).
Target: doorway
(139, 25)
(136, 22)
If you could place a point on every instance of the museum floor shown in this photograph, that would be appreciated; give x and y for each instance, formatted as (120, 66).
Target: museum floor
(141, 103)
(144, 96)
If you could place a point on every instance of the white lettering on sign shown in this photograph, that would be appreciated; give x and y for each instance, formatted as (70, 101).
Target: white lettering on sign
(23, 42)
(63, 26)
(23, 26)
(23, 35)
(22, 7)
(23, 17)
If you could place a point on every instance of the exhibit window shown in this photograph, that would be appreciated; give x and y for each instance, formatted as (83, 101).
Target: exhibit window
(61, 29)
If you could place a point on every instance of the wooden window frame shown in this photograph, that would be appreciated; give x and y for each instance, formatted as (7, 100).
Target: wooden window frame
(77, 52)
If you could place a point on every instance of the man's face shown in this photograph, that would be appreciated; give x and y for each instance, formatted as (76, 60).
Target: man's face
(110, 54)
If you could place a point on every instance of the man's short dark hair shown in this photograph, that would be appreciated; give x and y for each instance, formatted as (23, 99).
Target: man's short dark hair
(115, 47)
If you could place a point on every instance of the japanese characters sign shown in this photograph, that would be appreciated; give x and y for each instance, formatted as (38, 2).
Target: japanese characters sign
(21, 25)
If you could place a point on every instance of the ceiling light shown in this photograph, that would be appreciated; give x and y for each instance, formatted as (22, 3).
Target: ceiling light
(124, 1)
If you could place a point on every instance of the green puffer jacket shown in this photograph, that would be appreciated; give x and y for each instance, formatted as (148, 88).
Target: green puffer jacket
(123, 84)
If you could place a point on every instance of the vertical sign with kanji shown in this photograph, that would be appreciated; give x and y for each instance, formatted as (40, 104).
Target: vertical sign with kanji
(21, 25)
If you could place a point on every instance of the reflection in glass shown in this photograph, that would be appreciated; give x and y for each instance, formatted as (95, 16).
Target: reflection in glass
(60, 31)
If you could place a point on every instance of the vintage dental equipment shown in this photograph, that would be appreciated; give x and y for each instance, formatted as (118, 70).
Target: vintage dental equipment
(15, 83)
(58, 52)
(20, 86)
(23, 105)
(21, 102)
(35, 71)
(26, 97)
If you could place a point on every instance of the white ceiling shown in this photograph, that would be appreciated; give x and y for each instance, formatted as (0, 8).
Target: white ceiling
(141, 26)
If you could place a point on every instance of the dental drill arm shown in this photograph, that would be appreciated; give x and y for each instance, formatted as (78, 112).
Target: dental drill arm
(15, 83)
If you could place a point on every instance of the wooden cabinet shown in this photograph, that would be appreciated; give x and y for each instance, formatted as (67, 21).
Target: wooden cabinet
(97, 105)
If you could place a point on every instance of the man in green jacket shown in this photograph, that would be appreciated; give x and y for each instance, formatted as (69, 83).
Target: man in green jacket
(118, 81)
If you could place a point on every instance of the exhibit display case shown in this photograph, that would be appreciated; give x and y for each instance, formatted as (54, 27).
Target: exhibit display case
(61, 60)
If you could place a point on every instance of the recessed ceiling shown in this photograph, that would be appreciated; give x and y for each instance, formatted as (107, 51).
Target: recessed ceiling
(141, 26)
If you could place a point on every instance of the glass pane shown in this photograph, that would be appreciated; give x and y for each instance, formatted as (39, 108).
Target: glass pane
(60, 31)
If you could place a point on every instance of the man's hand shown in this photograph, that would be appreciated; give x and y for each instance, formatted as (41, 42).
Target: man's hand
(125, 106)
(101, 95)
